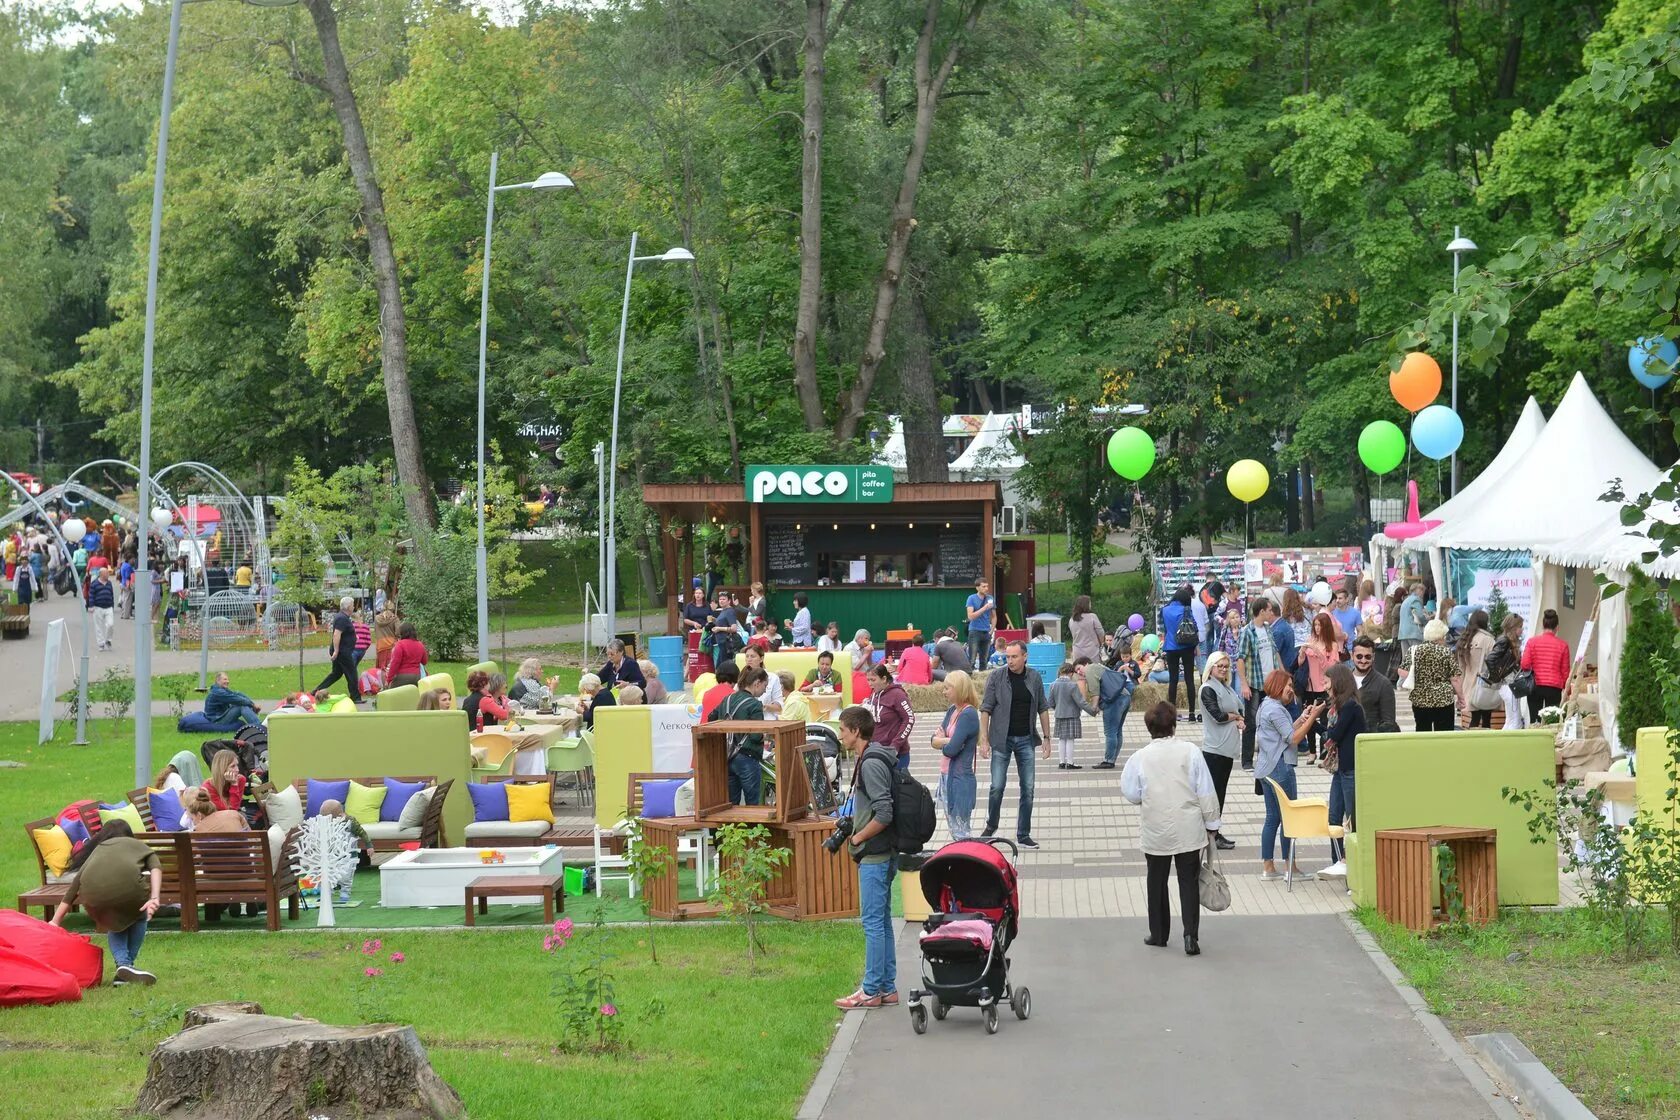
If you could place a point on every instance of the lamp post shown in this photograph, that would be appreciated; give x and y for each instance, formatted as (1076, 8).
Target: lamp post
(547, 181)
(677, 253)
(1457, 247)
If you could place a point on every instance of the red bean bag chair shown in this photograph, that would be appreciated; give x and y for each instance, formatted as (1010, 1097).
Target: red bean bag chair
(24, 980)
(59, 949)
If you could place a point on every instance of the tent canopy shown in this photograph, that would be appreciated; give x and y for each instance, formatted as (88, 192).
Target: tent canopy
(1610, 544)
(1551, 491)
(991, 449)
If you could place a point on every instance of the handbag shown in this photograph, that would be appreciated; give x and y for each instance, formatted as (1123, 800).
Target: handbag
(1521, 683)
(1211, 887)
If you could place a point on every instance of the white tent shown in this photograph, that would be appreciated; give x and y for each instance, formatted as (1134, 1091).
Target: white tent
(991, 449)
(892, 451)
(1529, 425)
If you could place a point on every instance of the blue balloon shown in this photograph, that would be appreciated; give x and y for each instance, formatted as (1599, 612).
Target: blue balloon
(1437, 431)
(1648, 372)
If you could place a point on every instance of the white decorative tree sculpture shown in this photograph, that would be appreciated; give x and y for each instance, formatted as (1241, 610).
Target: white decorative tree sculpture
(326, 852)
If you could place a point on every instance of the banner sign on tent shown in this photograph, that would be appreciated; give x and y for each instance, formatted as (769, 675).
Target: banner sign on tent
(1302, 567)
(1173, 572)
(1476, 572)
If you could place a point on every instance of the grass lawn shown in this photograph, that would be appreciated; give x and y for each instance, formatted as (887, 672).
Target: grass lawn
(1608, 1027)
(729, 1041)
(557, 598)
(1052, 548)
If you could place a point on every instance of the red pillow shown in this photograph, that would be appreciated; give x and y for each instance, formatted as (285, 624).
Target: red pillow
(24, 980)
(57, 948)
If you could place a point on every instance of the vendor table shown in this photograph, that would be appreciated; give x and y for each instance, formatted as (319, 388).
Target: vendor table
(1406, 879)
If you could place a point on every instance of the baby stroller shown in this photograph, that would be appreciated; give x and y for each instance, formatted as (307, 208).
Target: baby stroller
(973, 889)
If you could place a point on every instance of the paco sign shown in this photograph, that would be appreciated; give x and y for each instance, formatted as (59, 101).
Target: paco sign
(808, 484)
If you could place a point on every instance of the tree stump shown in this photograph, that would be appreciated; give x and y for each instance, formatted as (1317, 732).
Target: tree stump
(217, 1012)
(241, 1066)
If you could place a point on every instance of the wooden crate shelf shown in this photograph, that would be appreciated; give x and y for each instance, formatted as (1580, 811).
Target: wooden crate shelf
(1406, 878)
(782, 740)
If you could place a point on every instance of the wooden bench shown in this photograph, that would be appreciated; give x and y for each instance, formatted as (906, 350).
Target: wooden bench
(431, 833)
(485, 833)
(237, 867)
(486, 887)
(51, 891)
(14, 621)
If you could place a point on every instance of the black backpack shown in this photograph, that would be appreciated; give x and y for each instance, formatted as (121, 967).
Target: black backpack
(1186, 634)
(913, 814)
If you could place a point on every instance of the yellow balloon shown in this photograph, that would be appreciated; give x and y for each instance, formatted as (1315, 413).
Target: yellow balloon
(1247, 480)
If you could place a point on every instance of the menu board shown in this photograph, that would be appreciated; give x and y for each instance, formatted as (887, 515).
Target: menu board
(959, 558)
(785, 556)
(822, 790)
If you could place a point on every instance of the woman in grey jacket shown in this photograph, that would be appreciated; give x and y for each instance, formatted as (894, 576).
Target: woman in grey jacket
(957, 740)
(1222, 728)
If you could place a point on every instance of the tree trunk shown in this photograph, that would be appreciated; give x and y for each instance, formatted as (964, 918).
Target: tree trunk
(924, 423)
(393, 325)
(260, 1066)
(810, 221)
(1309, 518)
(1291, 500)
(930, 84)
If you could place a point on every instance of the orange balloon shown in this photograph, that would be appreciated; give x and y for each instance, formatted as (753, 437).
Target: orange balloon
(1417, 382)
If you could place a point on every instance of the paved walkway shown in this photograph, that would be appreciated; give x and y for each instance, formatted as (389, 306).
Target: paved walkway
(1278, 1018)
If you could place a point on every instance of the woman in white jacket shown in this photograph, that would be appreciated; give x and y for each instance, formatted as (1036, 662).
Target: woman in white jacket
(1180, 807)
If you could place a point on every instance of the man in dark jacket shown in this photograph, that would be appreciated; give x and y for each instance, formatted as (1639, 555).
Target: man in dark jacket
(1376, 692)
(102, 601)
(222, 703)
(872, 848)
(1013, 712)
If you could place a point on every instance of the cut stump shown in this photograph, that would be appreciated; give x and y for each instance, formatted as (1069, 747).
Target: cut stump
(234, 1065)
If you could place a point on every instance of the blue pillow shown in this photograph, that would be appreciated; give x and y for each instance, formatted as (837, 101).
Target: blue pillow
(396, 797)
(324, 791)
(166, 810)
(659, 799)
(489, 801)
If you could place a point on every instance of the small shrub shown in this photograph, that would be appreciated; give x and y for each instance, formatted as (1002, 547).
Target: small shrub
(645, 863)
(116, 688)
(746, 865)
(438, 595)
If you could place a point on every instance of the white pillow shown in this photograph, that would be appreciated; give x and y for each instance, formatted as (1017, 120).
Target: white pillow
(684, 806)
(414, 813)
(285, 809)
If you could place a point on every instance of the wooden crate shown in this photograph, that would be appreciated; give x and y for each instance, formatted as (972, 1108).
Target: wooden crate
(664, 899)
(1406, 879)
(782, 740)
(816, 884)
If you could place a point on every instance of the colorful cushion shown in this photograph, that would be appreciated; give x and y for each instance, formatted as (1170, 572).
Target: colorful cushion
(490, 800)
(659, 799)
(528, 801)
(344, 705)
(284, 808)
(126, 813)
(73, 827)
(365, 803)
(320, 791)
(396, 799)
(55, 848)
(166, 810)
(414, 813)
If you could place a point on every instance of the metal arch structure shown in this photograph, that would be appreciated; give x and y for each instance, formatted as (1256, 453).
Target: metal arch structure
(245, 507)
(81, 597)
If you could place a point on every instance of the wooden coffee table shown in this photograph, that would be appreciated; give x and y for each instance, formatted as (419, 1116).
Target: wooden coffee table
(486, 887)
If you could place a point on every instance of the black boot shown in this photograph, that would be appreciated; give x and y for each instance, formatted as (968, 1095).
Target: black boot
(1191, 947)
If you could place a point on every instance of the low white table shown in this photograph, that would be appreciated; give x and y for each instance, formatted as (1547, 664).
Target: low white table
(440, 876)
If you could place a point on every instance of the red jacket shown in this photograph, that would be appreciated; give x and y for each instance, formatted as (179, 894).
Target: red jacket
(1548, 655)
(235, 794)
(894, 718)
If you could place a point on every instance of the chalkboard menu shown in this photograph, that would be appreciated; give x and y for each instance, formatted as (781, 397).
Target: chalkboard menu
(785, 555)
(822, 790)
(959, 557)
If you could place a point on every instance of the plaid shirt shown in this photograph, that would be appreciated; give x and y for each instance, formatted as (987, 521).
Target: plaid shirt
(1256, 653)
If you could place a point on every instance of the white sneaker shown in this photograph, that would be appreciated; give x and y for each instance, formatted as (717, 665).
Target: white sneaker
(1337, 870)
(1269, 876)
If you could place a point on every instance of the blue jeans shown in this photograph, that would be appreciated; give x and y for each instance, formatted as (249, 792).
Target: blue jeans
(1284, 775)
(880, 958)
(746, 779)
(904, 762)
(979, 647)
(958, 794)
(244, 715)
(125, 943)
(1114, 716)
(1020, 748)
(1341, 809)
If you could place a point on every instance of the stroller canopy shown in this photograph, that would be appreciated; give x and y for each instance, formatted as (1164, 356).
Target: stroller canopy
(972, 875)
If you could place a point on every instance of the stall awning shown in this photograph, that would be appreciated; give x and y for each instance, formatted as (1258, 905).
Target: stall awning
(701, 501)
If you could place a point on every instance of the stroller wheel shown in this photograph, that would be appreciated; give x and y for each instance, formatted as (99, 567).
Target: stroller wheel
(939, 1009)
(1021, 1001)
(918, 1019)
(991, 1019)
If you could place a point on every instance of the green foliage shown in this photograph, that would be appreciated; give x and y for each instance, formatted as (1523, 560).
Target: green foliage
(437, 593)
(1497, 609)
(1573, 816)
(1651, 635)
(746, 865)
(645, 862)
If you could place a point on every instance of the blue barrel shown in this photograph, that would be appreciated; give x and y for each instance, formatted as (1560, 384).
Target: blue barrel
(1046, 657)
(671, 670)
(665, 648)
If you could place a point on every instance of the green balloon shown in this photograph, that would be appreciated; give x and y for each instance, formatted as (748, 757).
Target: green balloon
(1382, 446)
(1131, 452)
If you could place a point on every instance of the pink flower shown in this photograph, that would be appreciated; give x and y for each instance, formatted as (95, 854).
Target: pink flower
(552, 942)
(563, 928)
(373, 972)
(397, 958)
(372, 946)
(608, 1010)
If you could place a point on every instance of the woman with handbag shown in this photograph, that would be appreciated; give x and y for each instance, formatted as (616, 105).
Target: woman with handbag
(1429, 677)
(1478, 698)
(1338, 758)
(1274, 758)
(1179, 814)
(1222, 730)
(1505, 671)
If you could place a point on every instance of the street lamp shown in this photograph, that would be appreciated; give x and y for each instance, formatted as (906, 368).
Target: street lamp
(671, 255)
(547, 181)
(1458, 246)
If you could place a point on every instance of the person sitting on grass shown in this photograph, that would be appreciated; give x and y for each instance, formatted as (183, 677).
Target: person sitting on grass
(332, 808)
(117, 882)
(222, 704)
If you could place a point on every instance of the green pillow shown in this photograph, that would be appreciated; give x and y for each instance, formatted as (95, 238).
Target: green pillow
(364, 802)
(127, 813)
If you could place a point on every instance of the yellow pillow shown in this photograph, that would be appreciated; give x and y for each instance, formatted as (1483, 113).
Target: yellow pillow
(364, 802)
(54, 844)
(127, 813)
(344, 705)
(528, 801)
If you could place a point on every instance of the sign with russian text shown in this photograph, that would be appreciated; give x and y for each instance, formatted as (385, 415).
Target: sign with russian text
(819, 484)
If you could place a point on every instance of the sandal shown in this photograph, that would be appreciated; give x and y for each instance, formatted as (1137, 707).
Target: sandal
(858, 1001)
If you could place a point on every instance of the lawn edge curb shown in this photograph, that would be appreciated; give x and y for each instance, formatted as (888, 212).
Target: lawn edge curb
(1541, 1090)
(828, 1074)
(1444, 1039)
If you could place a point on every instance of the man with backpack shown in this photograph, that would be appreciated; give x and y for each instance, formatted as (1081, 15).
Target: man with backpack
(874, 847)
